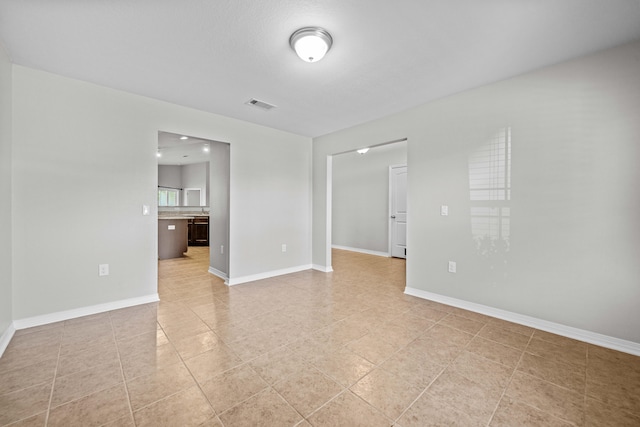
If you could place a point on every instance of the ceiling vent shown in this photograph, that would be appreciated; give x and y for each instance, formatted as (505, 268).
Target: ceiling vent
(260, 104)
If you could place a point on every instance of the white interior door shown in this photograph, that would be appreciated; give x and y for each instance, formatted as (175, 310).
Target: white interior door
(398, 211)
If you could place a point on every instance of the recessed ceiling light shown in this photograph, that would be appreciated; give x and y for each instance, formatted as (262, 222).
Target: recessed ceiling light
(311, 43)
(184, 137)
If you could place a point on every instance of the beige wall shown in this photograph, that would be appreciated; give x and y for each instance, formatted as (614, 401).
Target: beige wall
(572, 228)
(84, 164)
(6, 293)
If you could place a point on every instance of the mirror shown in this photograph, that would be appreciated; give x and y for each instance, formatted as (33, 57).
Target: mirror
(183, 170)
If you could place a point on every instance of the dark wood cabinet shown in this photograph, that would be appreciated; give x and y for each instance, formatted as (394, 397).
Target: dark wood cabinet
(199, 231)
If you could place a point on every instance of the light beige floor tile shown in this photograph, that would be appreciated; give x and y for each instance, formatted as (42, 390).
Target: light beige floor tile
(38, 420)
(280, 363)
(92, 356)
(513, 413)
(29, 376)
(621, 394)
(510, 326)
(192, 346)
(312, 328)
(18, 359)
(93, 410)
(149, 360)
(143, 342)
(267, 408)
(147, 389)
(212, 363)
(547, 397)
(474, 399)
(414, 367)
(232, 387)
(494, 351)
(373, 348)
(462, 323)
(348, 410)
(576, 355)
(343, 366)
(82, 383)
(307, 390)
(434, 411)
(24, 403)
(389, 393)
(35, 339)
(600, 414)
(504, 336)
(186, 408)
(559, 373)
(482, 370)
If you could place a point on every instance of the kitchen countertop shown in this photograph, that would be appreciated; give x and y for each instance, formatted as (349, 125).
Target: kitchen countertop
(174, 217)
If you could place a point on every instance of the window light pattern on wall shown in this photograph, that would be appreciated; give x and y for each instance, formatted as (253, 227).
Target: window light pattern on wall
(490, 194)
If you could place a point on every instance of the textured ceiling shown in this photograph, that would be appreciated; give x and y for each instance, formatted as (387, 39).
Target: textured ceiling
(387, 55)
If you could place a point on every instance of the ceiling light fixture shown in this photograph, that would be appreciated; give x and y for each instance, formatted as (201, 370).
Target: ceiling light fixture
(158, 154)
(311, 43)
(205, 148)
(184, 137)
(363, 150)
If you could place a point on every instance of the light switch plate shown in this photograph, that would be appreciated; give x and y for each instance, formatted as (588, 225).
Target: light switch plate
(452, 266)
(444, 210)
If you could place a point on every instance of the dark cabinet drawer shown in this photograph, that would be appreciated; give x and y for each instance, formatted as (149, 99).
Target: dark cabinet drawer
(199, 231)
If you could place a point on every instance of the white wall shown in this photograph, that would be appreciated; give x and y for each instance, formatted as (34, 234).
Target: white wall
(219, 208)
(84, 164)
(574, 237)
(6, 293)
(196, 176)
(170, 176)
(360, 193)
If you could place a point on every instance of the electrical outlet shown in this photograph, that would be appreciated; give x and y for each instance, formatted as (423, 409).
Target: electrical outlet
(284, 248)
(452, 266)
(103, 269)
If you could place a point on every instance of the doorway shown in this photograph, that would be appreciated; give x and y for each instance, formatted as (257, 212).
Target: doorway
(358, 199)
(199, 170)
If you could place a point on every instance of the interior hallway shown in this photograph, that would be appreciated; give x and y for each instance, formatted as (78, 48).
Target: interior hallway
(341, 349)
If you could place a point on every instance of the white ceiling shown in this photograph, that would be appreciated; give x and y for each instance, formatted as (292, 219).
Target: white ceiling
(387, 56)
(177, 151)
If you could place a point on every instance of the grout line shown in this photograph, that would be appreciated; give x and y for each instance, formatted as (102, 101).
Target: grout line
(124, 380)
(55, 376)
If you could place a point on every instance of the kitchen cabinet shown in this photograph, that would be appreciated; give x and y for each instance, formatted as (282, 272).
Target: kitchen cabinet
(172, 237)
(199, 231)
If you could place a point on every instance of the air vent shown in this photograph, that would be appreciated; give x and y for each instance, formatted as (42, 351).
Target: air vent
(260, 104)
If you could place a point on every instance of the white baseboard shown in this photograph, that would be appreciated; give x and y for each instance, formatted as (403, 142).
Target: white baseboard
(322, 268)
(219, 274)
(362, 251)
(44, 319)
(544, 325)
(266, 275)
(6, 338)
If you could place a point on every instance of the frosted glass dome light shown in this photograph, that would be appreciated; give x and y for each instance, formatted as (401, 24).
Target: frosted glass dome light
(311, 43)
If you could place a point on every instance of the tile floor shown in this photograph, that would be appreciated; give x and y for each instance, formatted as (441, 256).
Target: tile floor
(340, 349)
